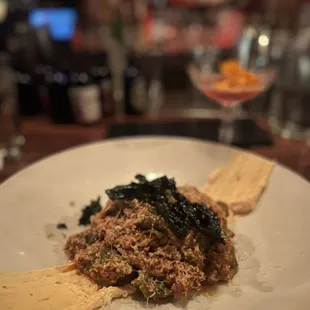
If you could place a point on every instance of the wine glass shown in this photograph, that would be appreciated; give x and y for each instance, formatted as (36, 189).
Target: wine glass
(229, 89)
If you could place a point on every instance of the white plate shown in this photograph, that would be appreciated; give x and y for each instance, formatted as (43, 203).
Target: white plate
(273, 243)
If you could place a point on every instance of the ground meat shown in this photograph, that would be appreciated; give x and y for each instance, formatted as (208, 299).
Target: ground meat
(129, 242)
(185, 278)
(169, 252)
(221, 263)
(78, 242)
(192, 251)
(151, 287)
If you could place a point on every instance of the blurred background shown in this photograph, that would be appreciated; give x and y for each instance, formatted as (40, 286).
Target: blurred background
(90, 62)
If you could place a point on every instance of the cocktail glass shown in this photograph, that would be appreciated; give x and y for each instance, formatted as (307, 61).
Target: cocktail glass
(229, 98)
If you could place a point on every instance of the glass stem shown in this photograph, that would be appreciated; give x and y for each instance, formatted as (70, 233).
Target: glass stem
(226, 133)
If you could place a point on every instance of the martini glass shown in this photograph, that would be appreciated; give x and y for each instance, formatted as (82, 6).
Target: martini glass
(229, 98)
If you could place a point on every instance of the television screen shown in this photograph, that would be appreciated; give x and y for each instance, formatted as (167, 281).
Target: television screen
(60, 21)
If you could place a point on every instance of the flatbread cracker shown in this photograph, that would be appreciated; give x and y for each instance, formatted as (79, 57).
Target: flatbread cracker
(101, 298)
(240, 183)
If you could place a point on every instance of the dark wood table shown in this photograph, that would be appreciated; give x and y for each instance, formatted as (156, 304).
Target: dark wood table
(44, 138)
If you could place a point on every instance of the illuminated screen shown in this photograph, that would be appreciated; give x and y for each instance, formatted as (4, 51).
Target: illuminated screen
(60, 21)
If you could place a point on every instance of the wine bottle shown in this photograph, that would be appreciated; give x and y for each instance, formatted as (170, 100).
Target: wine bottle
(27, 94)
(60, 109)
(102, 76)
(84, 93)
(135, 88)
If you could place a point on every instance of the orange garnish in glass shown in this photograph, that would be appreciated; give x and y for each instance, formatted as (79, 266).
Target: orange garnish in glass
(235, 76)
(230, 67)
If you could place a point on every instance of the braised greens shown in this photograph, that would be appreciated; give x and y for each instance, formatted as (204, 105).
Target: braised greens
(93, 208)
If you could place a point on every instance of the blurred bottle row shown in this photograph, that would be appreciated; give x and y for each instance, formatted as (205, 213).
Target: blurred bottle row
(79, 89)
(68, 76)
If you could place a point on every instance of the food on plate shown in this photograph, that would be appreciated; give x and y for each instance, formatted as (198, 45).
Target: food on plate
(239, 184)
(158, 239)
(93, 208)
(54, 288)
(62, 226)
(235, 76)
